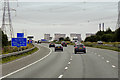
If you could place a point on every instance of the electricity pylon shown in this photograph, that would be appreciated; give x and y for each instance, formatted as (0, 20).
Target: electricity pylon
(118, 21)
(6, 20)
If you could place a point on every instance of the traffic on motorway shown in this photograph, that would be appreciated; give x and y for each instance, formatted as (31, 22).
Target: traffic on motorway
(78, 47)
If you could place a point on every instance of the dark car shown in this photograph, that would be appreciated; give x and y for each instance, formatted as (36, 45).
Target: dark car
(58, 47)
(80, 48)
(77, 43)
(63, 43)
(52, 45)
(39, 42)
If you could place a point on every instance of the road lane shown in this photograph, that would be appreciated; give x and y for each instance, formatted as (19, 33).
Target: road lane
(51, 67)
(109, 55)
(66, 64)
(17, 64)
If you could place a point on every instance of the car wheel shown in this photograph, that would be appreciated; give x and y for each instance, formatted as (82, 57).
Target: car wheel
(55, 50)
(75, 52)
(84, 51)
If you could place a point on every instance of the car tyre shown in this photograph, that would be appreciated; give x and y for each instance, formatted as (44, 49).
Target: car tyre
(84, 51)
(75, 52)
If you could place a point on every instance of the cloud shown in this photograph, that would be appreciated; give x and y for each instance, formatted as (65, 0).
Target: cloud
(66, 0)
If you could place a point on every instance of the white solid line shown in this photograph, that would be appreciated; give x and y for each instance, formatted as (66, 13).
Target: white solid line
(22, 57)
(107, 61)
(60, 76)
(113, 66)
(69, 62)
(26, 66)
(66, 67)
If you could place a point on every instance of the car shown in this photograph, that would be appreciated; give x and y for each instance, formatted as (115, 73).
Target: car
(80, 48)
(99, 42)
(77, 43)
(58, 47)
(52, 45)
(63, 43)
(39, 42)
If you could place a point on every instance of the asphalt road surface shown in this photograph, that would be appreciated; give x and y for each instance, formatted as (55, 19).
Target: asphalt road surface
(96, 63)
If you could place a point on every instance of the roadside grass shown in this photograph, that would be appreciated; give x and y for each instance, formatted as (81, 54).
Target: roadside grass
(10, 49)
(11, 58)
(95, 45)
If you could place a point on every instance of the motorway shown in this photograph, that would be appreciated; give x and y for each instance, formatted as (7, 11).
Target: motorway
(96, 63)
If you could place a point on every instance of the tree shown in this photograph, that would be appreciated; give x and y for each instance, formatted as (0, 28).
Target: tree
(108, 31)
(107, 37)
(61, 39)
(67, 39)
(100, 33)
(4, 39)
(117, 35)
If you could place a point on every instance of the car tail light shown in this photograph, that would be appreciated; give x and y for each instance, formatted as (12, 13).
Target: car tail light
(61, 47)
(75, 47)
(65, 43)
(83, 46)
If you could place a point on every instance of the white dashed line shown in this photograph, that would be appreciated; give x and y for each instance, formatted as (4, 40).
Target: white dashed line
(71, 59)
(66, 68)
(107, 61)
(102, 57)
(95, 53)
(69, 62)
(113, 66)
(98, 55)
(60, 76)
(26, 66)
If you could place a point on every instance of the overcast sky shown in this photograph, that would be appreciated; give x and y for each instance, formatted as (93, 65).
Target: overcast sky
(38, 18)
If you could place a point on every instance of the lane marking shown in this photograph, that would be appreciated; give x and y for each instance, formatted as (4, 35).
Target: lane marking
(66, 68)
(60, 76)
(98, 55)
(113, 66)
(107, 61)
(95, 53)
(102, 57)
(26, 66)
(71, 59)
(69, 63)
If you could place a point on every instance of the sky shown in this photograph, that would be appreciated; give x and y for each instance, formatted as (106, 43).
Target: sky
(38, 18)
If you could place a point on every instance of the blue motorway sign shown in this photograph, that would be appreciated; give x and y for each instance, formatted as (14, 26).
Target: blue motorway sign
(19, 42)
(20, 35)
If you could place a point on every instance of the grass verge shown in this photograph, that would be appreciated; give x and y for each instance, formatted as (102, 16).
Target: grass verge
(11, 58)
(103, 47)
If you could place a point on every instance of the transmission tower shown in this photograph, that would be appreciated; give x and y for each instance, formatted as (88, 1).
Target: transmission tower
(118, 21)
(6, 20)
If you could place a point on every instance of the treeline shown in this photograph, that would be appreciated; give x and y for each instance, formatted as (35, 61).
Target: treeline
(4, 39)
(106, 36)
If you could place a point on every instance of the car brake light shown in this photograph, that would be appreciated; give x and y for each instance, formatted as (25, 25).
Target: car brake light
(65, 43)
(83, 46)
(75, 47)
